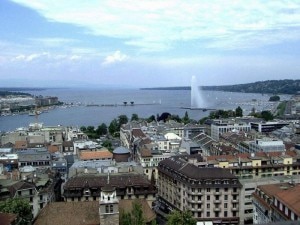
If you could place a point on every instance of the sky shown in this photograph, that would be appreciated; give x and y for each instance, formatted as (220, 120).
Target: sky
(147, 43)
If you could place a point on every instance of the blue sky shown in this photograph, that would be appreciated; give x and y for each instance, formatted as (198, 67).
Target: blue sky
(147, 43)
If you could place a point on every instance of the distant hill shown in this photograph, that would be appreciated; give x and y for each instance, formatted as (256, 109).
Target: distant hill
(267, 87)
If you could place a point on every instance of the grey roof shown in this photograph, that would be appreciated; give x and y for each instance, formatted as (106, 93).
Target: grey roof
(121, 150)
(189, 170)
(34, 155)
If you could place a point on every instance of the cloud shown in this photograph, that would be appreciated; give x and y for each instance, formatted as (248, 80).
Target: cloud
(117, 56)
(52, 42)
(157, 25)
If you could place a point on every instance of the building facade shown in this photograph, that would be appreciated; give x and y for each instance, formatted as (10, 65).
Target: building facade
(211, 194)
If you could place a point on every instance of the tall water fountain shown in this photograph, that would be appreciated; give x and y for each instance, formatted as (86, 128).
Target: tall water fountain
(196, 97)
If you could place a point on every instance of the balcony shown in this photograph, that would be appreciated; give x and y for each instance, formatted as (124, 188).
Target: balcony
(217, 193)
(234, 200)
(234, 208)
(217, 201)
(217, 209)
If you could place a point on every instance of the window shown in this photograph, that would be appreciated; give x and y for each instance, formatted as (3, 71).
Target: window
(207, 214)
(107, 209)
(225, 206)
(225, 213)
(208, 198)
(208, 206)
(207, 189)
(225, 197)
(111, 208)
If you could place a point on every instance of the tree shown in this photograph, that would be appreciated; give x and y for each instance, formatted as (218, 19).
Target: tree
(134, 117)
(175, 118)
(83, 128)
(113, 127)
(123, 119)
(90, 129)
(239, 112)
(267, 115)
(151, 118)
(181, 218)
(102, 129)
(186, 118)
(134, 217)
(164, 116)
(274, 98)
(18, 206)
(107, 144)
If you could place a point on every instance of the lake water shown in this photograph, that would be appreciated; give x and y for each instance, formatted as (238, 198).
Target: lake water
(146, 103)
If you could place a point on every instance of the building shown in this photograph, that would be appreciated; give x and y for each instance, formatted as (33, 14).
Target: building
(121, 154)
(256, 165)
(276, 202)
(211, 194)
(96, 154)
(220, 127)
(87, 187)
(266, 145)
(36, 157)
(79, 213)
(266, 127)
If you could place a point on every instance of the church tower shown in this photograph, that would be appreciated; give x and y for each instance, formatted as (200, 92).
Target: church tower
(108, 205)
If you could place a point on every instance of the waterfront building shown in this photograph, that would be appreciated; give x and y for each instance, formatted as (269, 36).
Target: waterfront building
(211, 194)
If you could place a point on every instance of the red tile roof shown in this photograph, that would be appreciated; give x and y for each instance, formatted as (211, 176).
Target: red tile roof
(90, 155)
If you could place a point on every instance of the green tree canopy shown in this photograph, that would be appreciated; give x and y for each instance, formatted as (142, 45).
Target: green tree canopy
(186, 118)
(274, 98)
(102, 129)
(123, 119)
(90, 129)
(267, 115)
(181, 218)
(113, 127)
(151, 118)
(134, 117)
(18, 206)
(107, 144)
(83, 128)
(239, 112)
(135, 217)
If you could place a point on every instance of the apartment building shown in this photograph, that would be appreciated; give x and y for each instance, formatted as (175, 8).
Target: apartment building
(255, 169)
(276, 202)
(211, 194)
(256, 165)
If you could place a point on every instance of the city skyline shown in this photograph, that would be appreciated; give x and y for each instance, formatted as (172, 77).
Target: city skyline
(147, 43)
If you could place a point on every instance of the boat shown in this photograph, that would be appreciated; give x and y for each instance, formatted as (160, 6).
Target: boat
(34, 113)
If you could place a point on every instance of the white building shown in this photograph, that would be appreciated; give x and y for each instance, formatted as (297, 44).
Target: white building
(226, 126)
(266, 145)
